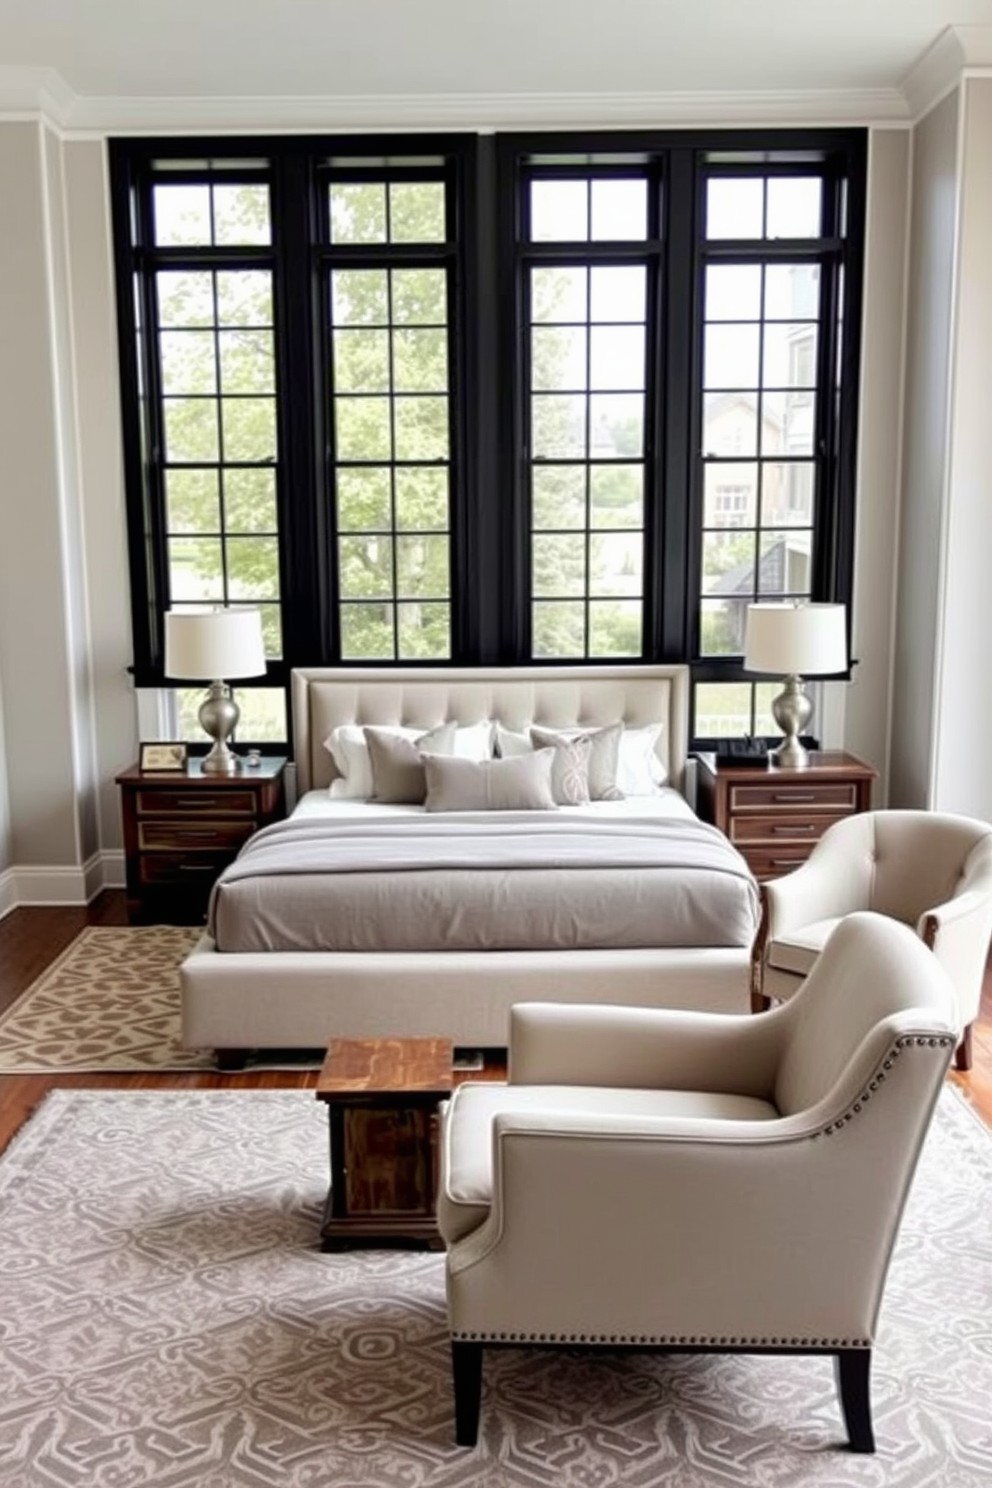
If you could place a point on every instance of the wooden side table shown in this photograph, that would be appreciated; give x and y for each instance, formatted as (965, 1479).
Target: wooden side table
(774, 816)
(382, 1096)
(181, 829)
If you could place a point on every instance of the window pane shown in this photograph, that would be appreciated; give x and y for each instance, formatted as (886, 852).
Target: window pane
(617, 294)
(421, 428)
(188, 362)
(361, 361)
(730, 495)
(784, 564)
(616, 425)
(616, 563)
(734, 207)
(558, 496)
(422, 567)
(789, 356)
(244, 297)
(733, 292)
(367, 632)
(360, 297)
(615, 628)
(241, 215)
(362, 428)
(559, 565)
(422, 500)
(424, 631)
(184, 299)
(730, 424)
(794, 207)
(619, 210)
(558, 629)
(616, 495)
(358, 213)
(789, 423)
(182, 216)
(252, 568)
(558, 358)
(363, 502)
(764, 723)
(792, 291)
(559, 294)
(196, 569)
(249, 426)
(728, 564)
(558, 426)
(192, 502)
(190, 430)
(723, 710)
(730, 356)
(416, 212)
(250, 500)
(420, 361)
(722, 627)
(365, 567)
(617, 357)
(420, 297)
(263, 715)
(246, 362)
(787, 494)
(559, 211)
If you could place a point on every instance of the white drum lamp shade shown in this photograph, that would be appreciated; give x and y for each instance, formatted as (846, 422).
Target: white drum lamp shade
(208, 646)
(795, 640)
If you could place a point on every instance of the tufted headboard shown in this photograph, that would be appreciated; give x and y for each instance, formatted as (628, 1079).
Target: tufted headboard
(421, 697)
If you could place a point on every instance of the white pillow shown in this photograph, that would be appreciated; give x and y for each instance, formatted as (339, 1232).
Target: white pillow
(639, 770)
(349, 750)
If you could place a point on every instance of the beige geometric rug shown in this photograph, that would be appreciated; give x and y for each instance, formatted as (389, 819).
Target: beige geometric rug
(109, 1002)
(166, 1321)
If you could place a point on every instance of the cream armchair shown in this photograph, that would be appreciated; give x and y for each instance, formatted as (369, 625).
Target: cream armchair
(698, 1182)
(933, 872)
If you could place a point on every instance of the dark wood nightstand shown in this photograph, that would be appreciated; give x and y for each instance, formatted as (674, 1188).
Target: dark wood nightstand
(180, 830)
(774, 817)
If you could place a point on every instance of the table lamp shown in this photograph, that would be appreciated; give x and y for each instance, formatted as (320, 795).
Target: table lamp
(797, 640)
(206, 645)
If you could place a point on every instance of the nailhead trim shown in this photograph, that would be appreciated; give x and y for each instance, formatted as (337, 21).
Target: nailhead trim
(684, 1340)
(921, 1041)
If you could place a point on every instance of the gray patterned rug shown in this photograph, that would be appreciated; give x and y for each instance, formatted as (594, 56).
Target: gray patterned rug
(166, 1319)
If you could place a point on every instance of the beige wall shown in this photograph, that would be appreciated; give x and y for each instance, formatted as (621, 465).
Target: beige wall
(925, 421)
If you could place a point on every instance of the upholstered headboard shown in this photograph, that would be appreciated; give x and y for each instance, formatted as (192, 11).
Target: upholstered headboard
(421, 697)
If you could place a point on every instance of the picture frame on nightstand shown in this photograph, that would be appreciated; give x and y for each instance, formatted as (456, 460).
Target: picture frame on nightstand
(155, 758)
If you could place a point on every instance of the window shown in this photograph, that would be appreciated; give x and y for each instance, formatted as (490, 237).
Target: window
(490, 399)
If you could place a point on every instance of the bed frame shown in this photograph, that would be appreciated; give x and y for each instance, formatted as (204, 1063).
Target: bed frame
(238, 1001)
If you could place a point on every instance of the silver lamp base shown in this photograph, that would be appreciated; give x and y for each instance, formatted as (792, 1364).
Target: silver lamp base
(792, 711)
(218, 716)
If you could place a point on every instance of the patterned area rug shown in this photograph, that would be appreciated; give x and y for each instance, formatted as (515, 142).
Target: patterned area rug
(167, 1320)
(109, 1002)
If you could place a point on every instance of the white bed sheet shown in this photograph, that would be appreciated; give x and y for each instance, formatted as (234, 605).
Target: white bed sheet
(668, 802)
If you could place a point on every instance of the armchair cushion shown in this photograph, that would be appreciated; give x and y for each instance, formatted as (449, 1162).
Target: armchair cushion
(797, 951)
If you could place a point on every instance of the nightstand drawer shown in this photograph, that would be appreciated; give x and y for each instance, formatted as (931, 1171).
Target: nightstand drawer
(780, 829)
(177, 802)
(178, 868)
(194, 836)
(840, 797)
(770, 862)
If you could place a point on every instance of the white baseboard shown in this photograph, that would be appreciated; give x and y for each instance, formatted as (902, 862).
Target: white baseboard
(38, 885)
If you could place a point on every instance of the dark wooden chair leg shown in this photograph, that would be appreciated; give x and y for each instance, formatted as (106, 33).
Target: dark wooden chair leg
(963, 1056)
(853, 1369)
(466, 1363)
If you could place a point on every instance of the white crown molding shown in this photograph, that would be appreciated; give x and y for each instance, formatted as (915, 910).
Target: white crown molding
(958, 51)
(40, 92)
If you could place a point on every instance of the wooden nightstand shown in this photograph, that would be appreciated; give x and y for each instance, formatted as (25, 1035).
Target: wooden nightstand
(774, 817)
(180, 830)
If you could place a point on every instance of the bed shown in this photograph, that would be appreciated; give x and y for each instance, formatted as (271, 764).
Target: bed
(625, 900)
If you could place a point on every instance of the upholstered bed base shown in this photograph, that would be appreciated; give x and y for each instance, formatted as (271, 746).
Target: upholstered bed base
(292, 999)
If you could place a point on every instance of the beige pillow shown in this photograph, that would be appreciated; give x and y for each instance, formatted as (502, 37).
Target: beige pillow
(397, 763)
(522, 784)
(602, 753)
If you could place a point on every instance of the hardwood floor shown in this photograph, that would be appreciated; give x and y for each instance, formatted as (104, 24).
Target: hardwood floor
(31, 938)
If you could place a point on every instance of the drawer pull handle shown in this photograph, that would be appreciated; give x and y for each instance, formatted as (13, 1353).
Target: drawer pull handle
(197, 868)
(191, 834)
(786, 862)
(792, 831)
(205, 803)
(791, 796)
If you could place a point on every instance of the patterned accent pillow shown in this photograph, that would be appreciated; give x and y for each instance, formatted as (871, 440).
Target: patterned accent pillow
(570, 766)
(603, 757)
(398, 764)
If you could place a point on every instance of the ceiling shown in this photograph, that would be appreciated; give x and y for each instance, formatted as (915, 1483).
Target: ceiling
(418, 49)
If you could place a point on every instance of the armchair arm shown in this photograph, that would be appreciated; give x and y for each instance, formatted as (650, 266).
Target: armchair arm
(958, 932)
(642, 1048)
(825, 887)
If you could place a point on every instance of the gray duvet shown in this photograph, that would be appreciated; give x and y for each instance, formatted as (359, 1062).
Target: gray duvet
(484, 881)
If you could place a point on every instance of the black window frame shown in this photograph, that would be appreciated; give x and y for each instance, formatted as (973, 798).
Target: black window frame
(489, 532)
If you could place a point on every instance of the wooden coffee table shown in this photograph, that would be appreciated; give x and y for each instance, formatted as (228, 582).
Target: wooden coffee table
(382, 1097)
